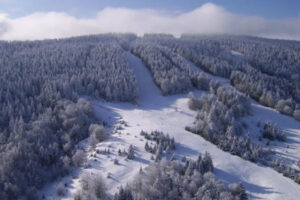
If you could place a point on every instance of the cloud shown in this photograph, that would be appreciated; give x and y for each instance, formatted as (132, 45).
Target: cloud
(207, 19)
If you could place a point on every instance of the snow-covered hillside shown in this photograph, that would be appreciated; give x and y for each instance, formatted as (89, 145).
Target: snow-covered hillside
(288, 151)
(171, 114)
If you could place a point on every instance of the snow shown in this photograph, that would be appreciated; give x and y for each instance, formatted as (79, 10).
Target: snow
(170, 114)
(288, 151)
(237, 55)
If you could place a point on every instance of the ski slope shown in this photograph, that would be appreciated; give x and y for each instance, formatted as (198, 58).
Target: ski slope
(170, 114)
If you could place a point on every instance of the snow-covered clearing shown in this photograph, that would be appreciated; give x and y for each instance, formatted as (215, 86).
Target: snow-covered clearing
(289, 150)
(170, 114)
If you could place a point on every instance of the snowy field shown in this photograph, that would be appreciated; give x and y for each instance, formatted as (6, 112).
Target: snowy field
(171, 114)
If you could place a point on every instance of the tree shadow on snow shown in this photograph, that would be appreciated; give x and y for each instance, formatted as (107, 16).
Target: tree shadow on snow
(252, 188)
(184, 150)
(141, 160)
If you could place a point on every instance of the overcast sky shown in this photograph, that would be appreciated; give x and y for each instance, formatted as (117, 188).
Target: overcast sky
(40, 19)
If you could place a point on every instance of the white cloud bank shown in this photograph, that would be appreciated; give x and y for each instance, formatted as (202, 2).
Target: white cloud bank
(207, 19)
